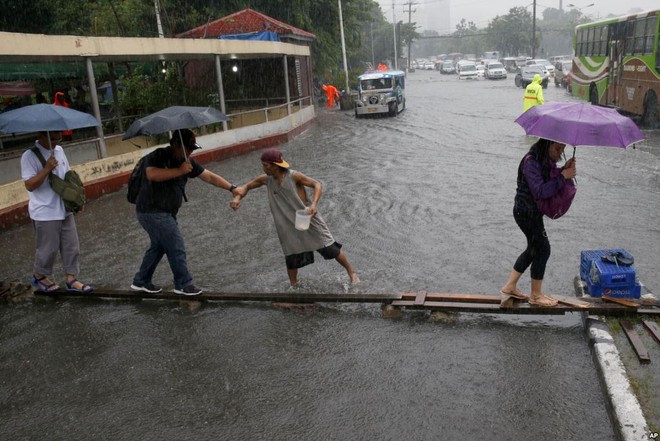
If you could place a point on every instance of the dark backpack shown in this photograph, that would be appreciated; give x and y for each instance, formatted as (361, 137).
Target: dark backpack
(135, 181)
(70, 189)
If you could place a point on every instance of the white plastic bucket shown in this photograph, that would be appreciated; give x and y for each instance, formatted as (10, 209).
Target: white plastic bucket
(302, 220)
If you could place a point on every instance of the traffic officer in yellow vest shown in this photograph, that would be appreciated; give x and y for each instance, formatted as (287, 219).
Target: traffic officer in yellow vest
(533, 93)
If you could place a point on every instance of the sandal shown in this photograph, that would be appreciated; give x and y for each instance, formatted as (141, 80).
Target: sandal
(517, 294)
(86, 289)
(543, 301)
(43, 284)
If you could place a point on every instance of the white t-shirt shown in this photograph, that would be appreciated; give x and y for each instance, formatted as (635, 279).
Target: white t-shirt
(44, 203)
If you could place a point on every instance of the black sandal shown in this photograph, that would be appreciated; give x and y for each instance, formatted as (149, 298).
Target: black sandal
(618, 258)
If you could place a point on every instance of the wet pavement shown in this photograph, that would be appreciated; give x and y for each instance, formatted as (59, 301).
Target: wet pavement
(421, 201)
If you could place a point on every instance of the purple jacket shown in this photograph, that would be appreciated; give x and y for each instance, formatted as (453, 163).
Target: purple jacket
(539, 188)
(531, 185)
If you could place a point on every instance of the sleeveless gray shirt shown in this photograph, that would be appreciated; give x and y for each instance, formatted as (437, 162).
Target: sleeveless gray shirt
(284, 201)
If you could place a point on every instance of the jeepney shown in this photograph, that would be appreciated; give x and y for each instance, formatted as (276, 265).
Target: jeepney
(381, 92)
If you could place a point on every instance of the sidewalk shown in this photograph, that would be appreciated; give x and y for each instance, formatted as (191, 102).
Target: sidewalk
(625, 410)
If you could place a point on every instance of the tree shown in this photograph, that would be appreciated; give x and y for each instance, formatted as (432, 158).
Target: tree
(467, 38)
(511, 34)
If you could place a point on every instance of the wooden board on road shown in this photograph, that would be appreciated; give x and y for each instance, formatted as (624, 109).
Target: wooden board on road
(653, 328)
(571, 301)
(635, 341)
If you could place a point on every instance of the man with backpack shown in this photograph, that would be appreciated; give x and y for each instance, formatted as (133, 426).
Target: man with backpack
(162, 182)
(55, 227)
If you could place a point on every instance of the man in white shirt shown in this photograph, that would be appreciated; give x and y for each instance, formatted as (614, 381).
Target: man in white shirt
(54, 226)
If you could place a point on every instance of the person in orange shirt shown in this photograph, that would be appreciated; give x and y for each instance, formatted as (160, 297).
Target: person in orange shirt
(61, 101)
(330, 93)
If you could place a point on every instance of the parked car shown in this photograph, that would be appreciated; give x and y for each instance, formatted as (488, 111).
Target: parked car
(526, 74)
(481, 71)
(447, 67)
(562, 68)
(495, 71)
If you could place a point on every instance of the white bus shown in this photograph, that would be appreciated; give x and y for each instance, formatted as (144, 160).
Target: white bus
(382, 92)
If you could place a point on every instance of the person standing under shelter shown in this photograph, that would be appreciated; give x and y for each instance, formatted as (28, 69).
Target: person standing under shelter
(533, 93)
(286, 195)
(55, 228)
(60, 100)
(535, 182)
(162, 191)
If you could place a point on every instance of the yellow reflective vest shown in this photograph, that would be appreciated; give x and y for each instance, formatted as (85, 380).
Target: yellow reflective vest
(533, 93)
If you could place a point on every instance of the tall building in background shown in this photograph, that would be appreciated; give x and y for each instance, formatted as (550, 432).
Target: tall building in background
(434, 16)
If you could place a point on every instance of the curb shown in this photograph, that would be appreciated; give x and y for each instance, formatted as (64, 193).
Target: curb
(626, 413)
(623, 407)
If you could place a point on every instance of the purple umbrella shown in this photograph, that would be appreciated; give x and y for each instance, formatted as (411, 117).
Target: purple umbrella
(580, 124)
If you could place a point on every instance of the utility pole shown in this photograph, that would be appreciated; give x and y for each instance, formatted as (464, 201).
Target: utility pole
(373, 60)
(409, 11)
(394, 32)
(534, 30)
(343, 47)
(158, 22)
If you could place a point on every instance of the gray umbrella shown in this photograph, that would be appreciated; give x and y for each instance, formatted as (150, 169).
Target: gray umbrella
(174, 118)
(45, 118)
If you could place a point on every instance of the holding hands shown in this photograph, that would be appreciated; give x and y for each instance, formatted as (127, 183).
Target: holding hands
(239, 193)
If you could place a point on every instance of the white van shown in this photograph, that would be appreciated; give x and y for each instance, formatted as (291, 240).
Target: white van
(466, 70)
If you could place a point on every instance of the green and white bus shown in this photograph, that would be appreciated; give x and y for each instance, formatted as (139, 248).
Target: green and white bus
(616, 64)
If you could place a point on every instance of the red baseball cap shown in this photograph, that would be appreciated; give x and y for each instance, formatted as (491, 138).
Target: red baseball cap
(274, 156)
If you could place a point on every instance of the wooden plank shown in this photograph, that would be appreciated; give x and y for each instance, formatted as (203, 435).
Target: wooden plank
(452, 297)
(635, 341)
(624, 302)
(421, 297)
(432, 301)
(291, 297)
(571, 301)
(653, 328)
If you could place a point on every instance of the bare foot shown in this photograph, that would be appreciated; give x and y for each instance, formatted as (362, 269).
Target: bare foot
(543, 300)
(355, 279)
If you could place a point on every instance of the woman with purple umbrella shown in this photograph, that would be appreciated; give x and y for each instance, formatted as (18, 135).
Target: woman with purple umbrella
(536, 181)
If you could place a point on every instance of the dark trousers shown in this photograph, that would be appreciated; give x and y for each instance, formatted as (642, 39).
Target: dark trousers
(537, 252)
(166, 240)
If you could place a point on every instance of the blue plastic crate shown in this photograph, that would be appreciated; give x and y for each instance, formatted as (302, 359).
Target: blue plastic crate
(587, 257)
(611, 275)
(622, 292)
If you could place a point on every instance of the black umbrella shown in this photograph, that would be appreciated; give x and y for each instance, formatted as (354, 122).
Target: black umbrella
(174, 118)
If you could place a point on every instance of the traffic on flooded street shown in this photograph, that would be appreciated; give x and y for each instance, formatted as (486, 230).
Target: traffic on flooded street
(420, 201)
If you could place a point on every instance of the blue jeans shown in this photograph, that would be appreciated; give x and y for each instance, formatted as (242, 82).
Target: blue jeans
(166, 239)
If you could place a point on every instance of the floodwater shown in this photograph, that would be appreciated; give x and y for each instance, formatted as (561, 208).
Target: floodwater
(421, 202)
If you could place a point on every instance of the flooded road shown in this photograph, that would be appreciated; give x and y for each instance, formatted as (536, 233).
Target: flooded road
(421, 202)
